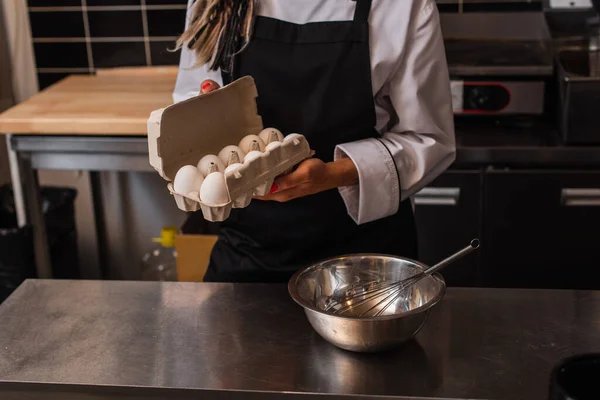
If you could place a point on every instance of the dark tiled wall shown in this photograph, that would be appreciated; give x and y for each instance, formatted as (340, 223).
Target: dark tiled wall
(79, 36)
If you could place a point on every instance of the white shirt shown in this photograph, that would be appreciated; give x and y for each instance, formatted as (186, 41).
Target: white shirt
(411, 91)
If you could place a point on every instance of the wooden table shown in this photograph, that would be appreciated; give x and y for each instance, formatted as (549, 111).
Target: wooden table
(93, 123)
(101, 105)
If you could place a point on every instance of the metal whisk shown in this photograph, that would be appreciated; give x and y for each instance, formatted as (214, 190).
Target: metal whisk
(384, 294)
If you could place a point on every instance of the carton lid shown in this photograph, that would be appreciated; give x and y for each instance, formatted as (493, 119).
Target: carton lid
(207, 123)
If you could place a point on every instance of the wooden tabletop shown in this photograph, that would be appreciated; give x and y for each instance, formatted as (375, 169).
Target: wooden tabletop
(116, 103)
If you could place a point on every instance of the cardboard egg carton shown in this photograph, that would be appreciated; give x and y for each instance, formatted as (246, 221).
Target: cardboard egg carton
(183, 133)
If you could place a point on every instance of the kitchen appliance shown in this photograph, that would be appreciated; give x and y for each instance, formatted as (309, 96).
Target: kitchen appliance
(312, 286)
(499, 62)
(579, 87)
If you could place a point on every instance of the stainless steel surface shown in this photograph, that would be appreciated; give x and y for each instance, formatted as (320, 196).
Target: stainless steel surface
(579, 88)
(84, 152)
(123, 340)
(470, 96)
(595, 41)
(375, 296)
(595, 60)
(526, 97)
(480, 1)
(580, 197)
(495, 25)
(316, 287)
(474, 245)
(594, 33)
(503, 47)
(437, 196)
(99, 223)
(460, 70)
(529, 156)
(497, 44)
(35, 217)
(17, 183)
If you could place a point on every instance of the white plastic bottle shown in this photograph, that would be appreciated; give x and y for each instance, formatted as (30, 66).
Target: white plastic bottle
(160, 264)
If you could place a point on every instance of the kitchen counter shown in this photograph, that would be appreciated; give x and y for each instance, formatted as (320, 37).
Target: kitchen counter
(537, 145)
(90, 339)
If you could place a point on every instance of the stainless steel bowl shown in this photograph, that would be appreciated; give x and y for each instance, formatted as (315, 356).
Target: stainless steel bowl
(315, 286)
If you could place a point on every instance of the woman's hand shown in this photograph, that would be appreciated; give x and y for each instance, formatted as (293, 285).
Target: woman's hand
(208, 86)
(312, 176)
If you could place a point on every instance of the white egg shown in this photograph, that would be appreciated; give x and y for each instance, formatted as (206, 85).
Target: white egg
(233, 167)
(253, 155)
(272, 146)
(292, 136)
(231, 155)
(251, 143)
(271, 135)
(187, 180)
(214, 190)
(210, 163)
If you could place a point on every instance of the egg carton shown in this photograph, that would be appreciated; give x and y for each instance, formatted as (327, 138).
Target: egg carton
(252, 179)
(183, 133)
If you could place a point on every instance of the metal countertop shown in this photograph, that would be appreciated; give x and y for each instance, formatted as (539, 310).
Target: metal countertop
(538, 146)
(108, 339)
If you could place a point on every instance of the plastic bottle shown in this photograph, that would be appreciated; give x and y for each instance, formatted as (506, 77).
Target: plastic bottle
(160, 264)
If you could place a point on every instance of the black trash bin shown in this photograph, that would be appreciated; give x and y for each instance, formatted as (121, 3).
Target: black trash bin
(17, 261)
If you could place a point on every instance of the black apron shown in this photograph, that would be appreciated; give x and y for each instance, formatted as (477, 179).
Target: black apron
(313, 79)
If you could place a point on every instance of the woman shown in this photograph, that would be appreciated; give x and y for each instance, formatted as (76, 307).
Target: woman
(367, 83)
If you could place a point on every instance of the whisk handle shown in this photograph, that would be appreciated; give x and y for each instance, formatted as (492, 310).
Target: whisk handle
(461, 253)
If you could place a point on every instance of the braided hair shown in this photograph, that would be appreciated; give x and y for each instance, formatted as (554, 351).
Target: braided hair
(218, 30)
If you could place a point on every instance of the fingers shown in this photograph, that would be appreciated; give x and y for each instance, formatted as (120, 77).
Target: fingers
(208, 86)
(306, 172)
(286, 182)
(302, 190)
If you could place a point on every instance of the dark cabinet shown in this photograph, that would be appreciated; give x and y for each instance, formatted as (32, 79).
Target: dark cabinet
(541, 229)
(448, 217)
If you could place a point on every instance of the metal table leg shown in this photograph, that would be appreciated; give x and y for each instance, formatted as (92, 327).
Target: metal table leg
(96, 188)
(66, 153)
(17, 183)
(35, 214)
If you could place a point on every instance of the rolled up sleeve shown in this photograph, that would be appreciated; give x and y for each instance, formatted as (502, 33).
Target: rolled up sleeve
(421, 144)
(378, 192)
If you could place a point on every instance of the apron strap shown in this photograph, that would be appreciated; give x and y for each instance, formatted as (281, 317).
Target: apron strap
(363, 9)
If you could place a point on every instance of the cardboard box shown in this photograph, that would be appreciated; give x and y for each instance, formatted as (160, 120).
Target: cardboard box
(183, 133)
(193, 256)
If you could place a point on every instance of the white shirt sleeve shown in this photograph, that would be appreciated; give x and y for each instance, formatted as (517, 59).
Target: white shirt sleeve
(420, 145)
(190, 76)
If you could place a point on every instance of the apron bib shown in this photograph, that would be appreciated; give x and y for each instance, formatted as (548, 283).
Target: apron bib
(313, 79)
